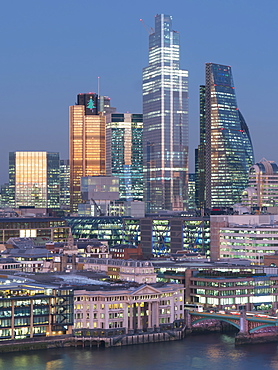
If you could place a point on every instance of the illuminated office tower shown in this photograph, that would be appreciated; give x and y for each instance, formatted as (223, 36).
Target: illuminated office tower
(228, 146)
(124, 153)
(34, 179)
(64, 184)
(165, 110)
(87, 143)
(200, 154)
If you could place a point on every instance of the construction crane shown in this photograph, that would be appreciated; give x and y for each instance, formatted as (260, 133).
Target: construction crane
(150, 30)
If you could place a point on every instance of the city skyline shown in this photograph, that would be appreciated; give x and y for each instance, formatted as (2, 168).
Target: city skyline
(40, 78)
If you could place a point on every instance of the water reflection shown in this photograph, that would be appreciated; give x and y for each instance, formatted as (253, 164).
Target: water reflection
(212, 351)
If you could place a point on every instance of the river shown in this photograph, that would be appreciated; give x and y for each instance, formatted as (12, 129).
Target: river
(211, 351)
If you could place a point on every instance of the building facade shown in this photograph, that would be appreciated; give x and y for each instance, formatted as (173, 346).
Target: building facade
(87, 143)
(34, 179)
(228, 146)
(165, 110)
(64, 184)
(139, 308)
(124, 153)
(262, 191)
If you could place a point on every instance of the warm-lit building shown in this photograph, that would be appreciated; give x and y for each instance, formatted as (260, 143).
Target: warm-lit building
(134, 308)
(34, 179)
(165, 110)
(124, 153)
(87, 143)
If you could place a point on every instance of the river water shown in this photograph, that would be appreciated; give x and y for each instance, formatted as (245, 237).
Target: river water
(212, 351)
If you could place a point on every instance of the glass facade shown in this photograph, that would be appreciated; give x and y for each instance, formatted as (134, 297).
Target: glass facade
(34, 179)
(229, 151)
(64, 183)
(165, 110)
(87, 143)
(200, 155)
(124, 156)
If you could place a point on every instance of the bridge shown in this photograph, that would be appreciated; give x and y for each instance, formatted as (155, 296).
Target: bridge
(251, 325)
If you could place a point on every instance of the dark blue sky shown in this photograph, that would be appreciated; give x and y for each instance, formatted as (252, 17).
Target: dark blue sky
(52, 50)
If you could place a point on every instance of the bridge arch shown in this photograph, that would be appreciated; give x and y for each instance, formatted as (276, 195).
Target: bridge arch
(260, 327)
(218, 319)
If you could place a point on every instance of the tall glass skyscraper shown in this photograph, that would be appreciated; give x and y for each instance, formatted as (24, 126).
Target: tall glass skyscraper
(228, 146)
(87, 143)
(165, 112)
(124, 153)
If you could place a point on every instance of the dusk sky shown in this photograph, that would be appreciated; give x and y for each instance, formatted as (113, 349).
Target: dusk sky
(53, 50)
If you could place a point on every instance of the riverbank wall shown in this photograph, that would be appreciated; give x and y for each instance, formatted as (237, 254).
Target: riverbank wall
(72, 341)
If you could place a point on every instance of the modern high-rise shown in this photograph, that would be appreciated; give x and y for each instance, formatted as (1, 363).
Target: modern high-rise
(228, 146)
(124, 153)
(200, 154)
(165, 111)
(34, 179)
(64, 184)
(87, 143)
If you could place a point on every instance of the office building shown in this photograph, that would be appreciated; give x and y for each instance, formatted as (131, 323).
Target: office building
(228, 146)
(165, 110)
(87, 143)
(64, 184)
(124, 153)
(262, 191)
(34, 179)
(200, 154)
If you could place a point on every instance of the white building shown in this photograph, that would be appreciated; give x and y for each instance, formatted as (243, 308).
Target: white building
(142, 308)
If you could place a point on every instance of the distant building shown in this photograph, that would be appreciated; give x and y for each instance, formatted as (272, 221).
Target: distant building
(191, 192)
(228, 146)
(124, 153)
(64, 184)
(34, 179)
(87, 143)
(262, 189)
(165, 109)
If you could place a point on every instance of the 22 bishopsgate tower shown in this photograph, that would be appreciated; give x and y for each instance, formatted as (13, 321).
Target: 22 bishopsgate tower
(165, 111)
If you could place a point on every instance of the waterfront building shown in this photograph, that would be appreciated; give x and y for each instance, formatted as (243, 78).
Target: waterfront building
(30, 310)
(64, 184)
(159, 236)
(165, 110)
(262, 189)
(34, 179)
(87, 143)
(230, 290)
(228, 146)
(124, 153)
(141, 308)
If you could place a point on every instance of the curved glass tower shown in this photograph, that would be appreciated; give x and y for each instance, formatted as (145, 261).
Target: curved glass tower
(165, 116)
(229, 151)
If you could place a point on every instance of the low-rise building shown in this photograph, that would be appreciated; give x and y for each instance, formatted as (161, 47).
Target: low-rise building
(229, 290)
(29, 310)
(129, 309)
